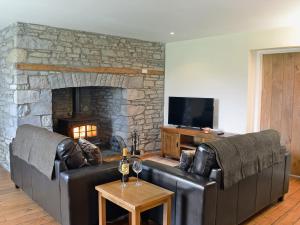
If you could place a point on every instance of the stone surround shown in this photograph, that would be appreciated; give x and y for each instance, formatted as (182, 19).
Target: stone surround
(26, 96)
(8, 109)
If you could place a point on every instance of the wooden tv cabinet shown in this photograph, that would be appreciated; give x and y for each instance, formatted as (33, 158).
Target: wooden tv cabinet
(174, 140)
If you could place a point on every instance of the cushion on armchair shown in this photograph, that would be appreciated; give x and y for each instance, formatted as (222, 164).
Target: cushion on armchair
(204, 161)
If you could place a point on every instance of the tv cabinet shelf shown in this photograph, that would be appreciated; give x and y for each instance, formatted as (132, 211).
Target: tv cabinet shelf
(174, 140)
(187, 146)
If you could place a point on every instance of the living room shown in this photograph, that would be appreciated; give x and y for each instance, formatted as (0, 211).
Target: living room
(115, 75)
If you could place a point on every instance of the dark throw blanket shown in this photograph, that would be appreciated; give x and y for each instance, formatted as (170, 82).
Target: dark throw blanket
(37, 146)
(241, 156)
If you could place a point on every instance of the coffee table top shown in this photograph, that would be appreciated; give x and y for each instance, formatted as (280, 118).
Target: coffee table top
(132, 197)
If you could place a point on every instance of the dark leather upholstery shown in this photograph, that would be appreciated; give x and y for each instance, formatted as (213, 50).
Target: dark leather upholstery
(195, 198)
(71, 154)
(202, 201)
(70, 197)
(204, 161)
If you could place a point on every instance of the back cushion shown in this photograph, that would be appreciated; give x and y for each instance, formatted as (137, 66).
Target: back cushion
(91, 152)
(71, 154)
(204, 161)
(186, 159)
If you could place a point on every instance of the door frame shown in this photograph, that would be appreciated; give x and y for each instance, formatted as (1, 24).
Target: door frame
(255, 84)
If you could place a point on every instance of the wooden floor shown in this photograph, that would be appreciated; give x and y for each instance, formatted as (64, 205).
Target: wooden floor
(16, 208)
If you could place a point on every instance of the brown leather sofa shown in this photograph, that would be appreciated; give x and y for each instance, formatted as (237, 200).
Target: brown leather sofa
(70, 197)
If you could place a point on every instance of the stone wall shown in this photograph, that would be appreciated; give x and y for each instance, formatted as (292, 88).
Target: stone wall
(28, 94)
(62, 105)
(107, 103)
(8, 109)
(50, 45)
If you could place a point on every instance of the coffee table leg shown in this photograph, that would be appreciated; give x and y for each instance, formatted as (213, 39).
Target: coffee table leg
(135, 218)
(130, 218)
(102, 210)
(167, 212)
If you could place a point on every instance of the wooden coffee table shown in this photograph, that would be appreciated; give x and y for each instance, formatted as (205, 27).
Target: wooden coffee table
(135, 199)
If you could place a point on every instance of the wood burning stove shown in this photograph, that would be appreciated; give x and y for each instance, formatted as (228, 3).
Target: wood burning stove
(79, 125)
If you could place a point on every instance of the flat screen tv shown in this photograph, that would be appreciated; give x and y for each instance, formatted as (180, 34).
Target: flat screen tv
(191, 112)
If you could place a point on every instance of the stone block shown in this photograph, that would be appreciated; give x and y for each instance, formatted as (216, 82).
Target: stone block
(32, 42)
(133, 94)
(149, 83)
(108, 52)
(108, 80)
(135, 82)
(26, 96)
(33, 120)
(47, 121)
(21, 79)
(68, 79)
(38, 82)
(53, 82)
(41, 108)
(98, 80)
(17, 56)
(61, 81)
(103, 79)
(23, 110)
(132, 110)
(93, 79)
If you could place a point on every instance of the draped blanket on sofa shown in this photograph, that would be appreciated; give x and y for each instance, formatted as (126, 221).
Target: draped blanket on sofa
(37, 146)
(241, 156)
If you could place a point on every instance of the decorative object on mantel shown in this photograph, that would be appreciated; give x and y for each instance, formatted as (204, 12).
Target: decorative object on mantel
(135, 140)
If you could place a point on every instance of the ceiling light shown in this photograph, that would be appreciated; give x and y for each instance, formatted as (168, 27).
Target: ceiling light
(172, 33)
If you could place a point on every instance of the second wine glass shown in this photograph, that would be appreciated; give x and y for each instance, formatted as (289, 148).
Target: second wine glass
(137, 168)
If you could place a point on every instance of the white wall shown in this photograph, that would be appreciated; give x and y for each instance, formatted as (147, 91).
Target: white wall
(218, 67)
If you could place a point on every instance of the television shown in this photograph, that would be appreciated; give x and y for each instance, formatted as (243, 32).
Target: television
(191, 112)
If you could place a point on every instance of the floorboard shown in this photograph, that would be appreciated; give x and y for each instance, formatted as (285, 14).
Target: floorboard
(16, 208)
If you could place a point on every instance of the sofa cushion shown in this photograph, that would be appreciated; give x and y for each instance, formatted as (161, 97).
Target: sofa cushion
(91, 152)
(71, 154)
(186, 159)
(204, 161)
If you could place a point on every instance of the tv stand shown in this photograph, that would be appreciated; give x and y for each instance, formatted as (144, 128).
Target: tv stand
(176, 139)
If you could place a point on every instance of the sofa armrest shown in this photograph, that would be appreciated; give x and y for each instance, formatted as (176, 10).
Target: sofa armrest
(195, 196)
(79, 199)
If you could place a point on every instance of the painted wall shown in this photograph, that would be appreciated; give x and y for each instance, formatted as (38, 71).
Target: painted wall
(218, 67)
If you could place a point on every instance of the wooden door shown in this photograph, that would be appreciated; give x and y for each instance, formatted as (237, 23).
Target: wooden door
(280, 103)
(170, 144)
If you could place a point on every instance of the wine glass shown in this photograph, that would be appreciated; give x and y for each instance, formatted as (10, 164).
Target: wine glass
(123, 172)
(137, 168)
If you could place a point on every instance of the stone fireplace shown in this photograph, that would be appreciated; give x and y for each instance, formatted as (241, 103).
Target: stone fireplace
(93, 113)
(121, 82)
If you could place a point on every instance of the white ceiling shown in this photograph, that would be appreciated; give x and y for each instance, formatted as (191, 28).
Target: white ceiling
(154, 19)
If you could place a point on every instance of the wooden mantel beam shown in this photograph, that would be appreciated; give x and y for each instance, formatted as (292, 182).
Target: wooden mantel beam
(110, 70)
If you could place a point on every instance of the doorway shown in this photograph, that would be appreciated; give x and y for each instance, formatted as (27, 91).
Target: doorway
(280, 100)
